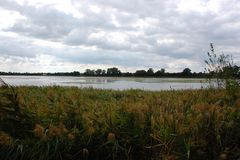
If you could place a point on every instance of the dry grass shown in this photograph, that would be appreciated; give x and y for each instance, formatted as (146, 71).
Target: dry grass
(73, 123)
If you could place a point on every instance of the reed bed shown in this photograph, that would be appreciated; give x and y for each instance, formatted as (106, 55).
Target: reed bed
(69, 123)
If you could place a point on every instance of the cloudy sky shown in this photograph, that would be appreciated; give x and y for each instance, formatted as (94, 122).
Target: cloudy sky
(68, 35)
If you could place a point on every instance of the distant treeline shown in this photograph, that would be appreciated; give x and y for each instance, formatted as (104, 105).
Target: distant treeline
(115, 72)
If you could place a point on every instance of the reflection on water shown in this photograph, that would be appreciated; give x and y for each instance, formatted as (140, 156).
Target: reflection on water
(120, 83)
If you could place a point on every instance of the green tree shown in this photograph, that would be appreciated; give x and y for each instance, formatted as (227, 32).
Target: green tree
(186, 72)
(150, 72)
(222, 69)
(140, 73)
(89, 72)
(113, 72)
(104, 72)
(99, 72)
(75, 73)
(160, 72)
(231, 71)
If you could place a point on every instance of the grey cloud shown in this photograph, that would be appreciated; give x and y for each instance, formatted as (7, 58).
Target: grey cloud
(142, 8)
(44, 22)
(187, 34)
(13, 47)
(10, 5)
(100, 57)
(26, 50)
(77, 37)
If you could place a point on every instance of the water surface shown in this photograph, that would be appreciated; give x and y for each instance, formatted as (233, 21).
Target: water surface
(116, 83)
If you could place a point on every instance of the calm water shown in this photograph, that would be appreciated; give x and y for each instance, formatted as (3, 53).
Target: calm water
(108, 82)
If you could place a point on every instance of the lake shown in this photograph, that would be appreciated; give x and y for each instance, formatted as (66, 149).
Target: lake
(116, 83)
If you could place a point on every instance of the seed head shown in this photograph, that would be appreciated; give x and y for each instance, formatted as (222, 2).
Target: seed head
(54, 131)
(71, 136)
(223, 156)
(38, 131)
(111, 136)
(5, 139)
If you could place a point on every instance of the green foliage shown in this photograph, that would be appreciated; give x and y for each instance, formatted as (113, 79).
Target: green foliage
(222, 69)
(140, 73)
(89, 72)
(186, 72)
(150, 72)
(232, 88)
(113, 72)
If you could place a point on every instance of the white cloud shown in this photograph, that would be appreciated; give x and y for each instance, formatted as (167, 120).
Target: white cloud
(170, 34)
(8, 18)
(199, 6)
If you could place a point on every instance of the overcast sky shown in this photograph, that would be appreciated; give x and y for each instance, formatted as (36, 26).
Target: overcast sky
(68, 35)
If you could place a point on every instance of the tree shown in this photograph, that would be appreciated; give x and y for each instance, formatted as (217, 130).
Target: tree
(113, 71)
(160, 72)
(89, 72)
(150, 72)
(221, 68)
(232, 72)
(140, 73)
(186, 72)
(98, 72)
(104, 72)
(75, 73)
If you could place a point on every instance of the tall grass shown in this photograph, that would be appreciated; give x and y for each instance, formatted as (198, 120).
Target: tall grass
(72, 123)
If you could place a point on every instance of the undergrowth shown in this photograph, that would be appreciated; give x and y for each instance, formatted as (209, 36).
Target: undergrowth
(48, 123)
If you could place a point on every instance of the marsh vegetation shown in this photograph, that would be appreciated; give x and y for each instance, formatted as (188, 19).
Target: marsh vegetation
(72, 123)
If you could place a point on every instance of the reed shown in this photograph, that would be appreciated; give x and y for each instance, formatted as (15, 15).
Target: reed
(71, 123)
